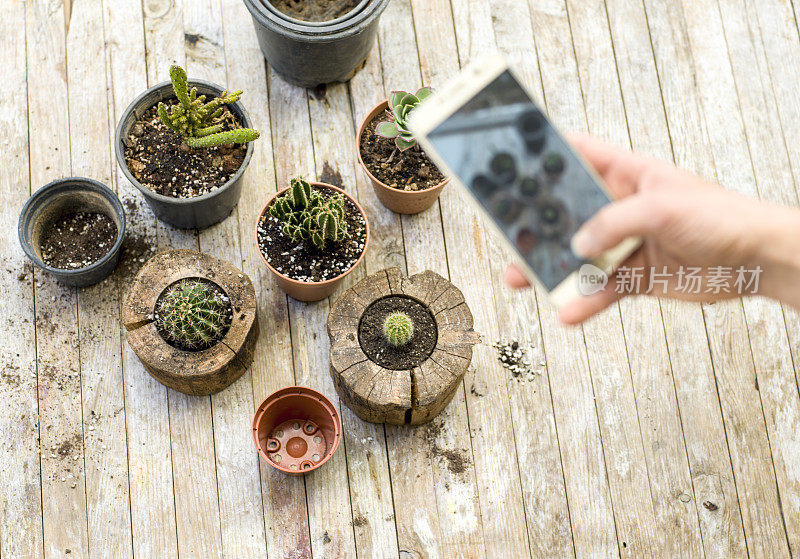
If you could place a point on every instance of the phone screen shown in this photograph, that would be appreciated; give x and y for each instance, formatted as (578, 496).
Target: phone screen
(523, 172)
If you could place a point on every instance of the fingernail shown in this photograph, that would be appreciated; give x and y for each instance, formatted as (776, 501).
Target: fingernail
(581, 244)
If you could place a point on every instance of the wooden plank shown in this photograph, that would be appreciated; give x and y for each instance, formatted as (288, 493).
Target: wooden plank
(493, 439)
(779, 36)
(689, 136)
(64, 515)
(283, 497)
(658, 412)
(507, 25)
(421, 459)
(728, 336)
(237, 468)
(191, 434)
(712, 478)
(146, 412)
(20, 483)
(595, 73)
(105, 442)
(329, 509)
(760, 138)
(333, 133)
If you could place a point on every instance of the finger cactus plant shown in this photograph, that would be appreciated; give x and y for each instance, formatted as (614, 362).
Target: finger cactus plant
(307, 215)
(401, 104)
(197, 121)
(398, 328)
(193, 315)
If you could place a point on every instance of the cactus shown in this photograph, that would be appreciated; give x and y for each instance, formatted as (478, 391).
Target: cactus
(197, 121)
(307, 215)
(398, 328)
(401, 104)
(192, 315)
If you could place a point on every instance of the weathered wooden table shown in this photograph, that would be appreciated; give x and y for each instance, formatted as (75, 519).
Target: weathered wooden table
(656, 429)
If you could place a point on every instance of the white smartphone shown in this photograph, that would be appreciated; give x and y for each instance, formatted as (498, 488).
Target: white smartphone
(484, 131)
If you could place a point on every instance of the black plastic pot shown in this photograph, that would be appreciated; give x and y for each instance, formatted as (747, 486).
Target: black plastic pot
(185, 213)
(67, 195)
(308, 54)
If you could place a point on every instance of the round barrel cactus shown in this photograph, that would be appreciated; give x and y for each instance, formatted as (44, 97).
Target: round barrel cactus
(398, 329)
(193, 315)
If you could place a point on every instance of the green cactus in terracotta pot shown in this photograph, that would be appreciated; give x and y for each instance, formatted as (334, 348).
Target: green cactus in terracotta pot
(401, 103)
(398, 328)
(197, 121)
(308, 216)
(192, 315)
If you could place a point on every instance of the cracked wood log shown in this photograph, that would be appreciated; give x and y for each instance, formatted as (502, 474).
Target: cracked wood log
(381, 395)
(202, 372)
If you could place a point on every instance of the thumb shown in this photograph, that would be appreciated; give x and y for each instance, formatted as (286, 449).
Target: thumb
(628, 217)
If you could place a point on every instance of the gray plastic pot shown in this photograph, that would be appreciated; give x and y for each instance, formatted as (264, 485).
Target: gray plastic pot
(308, 55)
(67, 195)
(184, 213)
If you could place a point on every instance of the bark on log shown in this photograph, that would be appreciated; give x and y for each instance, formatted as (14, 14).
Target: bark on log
(414, 396)
(191, 372)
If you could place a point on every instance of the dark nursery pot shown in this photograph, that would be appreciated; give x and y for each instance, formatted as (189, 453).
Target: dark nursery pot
(309, 54)
(296, 430)
(194, 372)
(184, 213)
(311, 291)
(400, 386)
(67, 195)
(399, 201)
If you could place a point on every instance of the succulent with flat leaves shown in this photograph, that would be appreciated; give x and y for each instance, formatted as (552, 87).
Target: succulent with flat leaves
(398, 328)
(308, 216)
(401, 104)
(192, 315)
(199, 122)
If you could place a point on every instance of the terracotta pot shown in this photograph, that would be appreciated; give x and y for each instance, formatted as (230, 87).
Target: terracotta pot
(296, 430)
(304, 290)
(399, 201)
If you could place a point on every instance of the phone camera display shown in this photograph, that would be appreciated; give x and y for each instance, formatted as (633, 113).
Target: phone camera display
(537, 191)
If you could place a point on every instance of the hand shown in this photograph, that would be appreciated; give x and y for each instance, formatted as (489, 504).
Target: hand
(685, 222)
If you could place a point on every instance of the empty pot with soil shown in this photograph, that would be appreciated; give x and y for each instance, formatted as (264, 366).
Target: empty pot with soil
(312, 42)
(296, 430)
(400, 346)
(311, 235)
(185, 146)
(405, 180)
(191, 319)
(73, 228)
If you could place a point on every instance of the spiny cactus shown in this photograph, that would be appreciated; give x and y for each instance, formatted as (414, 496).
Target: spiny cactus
(402, 103)
(398, 329)
(197, 121)
(192, 315)
(307, 215)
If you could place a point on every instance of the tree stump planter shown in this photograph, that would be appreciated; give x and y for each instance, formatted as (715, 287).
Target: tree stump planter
(197, 373)
(409, 396)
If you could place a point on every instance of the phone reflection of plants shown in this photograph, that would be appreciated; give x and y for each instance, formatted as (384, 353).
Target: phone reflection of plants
(401, 103)
(553, 218)
(503, 167)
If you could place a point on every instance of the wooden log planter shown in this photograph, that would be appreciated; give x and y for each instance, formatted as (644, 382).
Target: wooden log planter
(205, 371)
(400, 387)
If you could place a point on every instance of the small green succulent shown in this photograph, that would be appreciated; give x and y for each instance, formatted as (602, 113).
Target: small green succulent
(192, 315)
(398, 328)
(307, 215)
(401, 104)
(197, 121)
